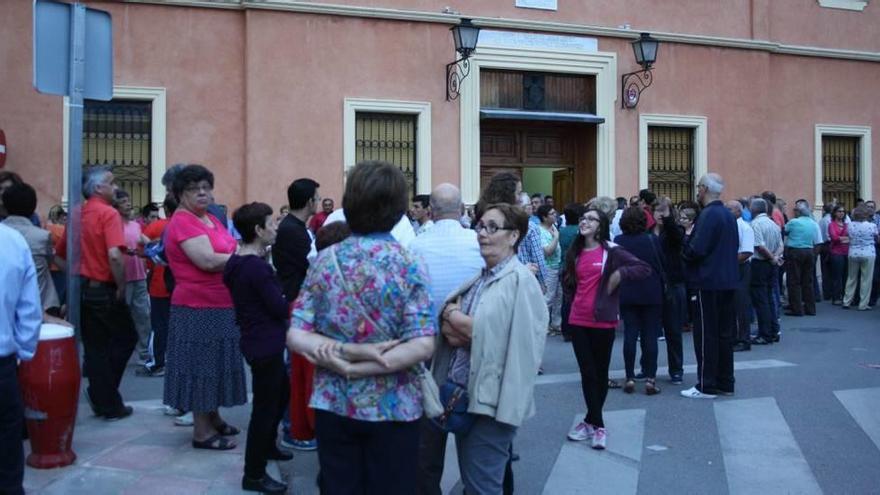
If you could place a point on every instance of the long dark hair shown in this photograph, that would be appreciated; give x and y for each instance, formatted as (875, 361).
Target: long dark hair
(603, 235)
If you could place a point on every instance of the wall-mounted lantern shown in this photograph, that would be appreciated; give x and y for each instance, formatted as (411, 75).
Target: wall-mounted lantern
(633, 83)
(465, 36)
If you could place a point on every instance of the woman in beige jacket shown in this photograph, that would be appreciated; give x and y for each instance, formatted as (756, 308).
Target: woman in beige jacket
(494, 328)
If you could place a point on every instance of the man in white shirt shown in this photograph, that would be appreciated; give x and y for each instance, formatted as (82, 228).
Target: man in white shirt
(20, 319)
(421, 213)
(402, 231)
(742, 296)
(452, 257)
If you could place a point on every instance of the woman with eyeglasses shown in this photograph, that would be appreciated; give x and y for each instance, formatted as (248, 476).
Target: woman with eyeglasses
(494, 328)
(594, 268)
(204, 367)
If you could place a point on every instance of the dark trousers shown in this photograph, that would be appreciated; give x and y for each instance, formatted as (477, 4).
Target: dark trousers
(432, 454)
(825, 265)
(59, 279)
(11, 426)
(160, 312)
(642, 323)
(366, 457)
(838, 276)
(108, 338)
(674, 316)
(875, 284)
(744, 304)
(271, 392)
(714, 329)
(800, 268)
(761, 288)
(592, 348)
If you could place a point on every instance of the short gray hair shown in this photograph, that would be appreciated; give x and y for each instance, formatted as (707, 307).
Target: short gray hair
(713, 183)
(605, 204)
(91, 178)
(803, 210)
(446, 200)
(758, 206)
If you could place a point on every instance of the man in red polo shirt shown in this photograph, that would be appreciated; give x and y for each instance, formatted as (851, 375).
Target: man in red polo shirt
(108, 333)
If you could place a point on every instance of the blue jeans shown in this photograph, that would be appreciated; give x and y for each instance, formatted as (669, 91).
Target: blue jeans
(776, 300)
(641, 322)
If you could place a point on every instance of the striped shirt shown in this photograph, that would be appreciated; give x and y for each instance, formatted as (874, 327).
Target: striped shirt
(451, 255)
(767, 234)
(531, 251)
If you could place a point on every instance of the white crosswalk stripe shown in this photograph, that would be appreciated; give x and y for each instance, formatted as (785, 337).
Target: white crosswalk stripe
(580, 469)
(763, 457)
(863, 405)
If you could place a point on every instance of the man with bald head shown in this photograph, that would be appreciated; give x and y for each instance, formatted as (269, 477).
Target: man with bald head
(451, 255)
(712, 271)
(743, 298)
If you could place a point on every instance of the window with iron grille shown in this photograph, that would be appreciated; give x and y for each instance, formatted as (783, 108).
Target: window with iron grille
(671, 162)
(117, 134)
(389, 137)
(840, 169)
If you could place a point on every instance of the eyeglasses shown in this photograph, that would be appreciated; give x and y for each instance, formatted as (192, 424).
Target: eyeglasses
(198, 187)
(490, 227)
(589, 219)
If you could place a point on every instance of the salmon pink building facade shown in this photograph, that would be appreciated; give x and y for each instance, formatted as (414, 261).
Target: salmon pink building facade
(771, 94)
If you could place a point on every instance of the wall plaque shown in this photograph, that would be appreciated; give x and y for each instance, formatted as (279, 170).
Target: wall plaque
(537, 4)
(516, 39)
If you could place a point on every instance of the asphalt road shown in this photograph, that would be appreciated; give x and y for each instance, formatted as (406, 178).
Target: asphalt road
(804, 420)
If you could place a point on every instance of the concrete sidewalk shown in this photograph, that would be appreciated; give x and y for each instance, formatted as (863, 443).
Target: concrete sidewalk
(145, 454)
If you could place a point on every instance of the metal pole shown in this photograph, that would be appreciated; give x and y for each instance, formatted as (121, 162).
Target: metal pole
(74, 154)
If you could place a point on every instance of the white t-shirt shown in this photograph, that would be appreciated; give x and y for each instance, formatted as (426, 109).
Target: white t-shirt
(402, 231)
(746, 236)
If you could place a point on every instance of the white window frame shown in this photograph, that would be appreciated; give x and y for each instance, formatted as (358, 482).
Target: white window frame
(699, 124)
(156, 97)
(857, 5)
(421, 109)
(864, 135)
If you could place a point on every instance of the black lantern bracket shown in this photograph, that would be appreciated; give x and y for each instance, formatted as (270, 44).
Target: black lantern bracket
(633, 83)
(631, 86)
(465, 36)
(456, 72)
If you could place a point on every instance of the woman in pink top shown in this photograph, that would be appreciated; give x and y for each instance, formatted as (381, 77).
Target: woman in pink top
(594, 268)
(204, 368)
(839, 235)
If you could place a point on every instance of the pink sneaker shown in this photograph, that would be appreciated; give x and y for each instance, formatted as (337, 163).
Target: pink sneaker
(599, 435)
(581, 431)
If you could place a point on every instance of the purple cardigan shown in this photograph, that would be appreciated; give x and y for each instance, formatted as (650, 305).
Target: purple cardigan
(607, 307)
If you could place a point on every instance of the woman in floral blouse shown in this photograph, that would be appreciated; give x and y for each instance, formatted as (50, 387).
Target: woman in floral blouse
(364, 317)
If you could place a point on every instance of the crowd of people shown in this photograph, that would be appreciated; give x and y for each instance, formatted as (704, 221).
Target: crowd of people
(347, 317)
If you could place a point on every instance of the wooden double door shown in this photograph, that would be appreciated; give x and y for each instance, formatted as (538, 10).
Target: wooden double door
(512, 145)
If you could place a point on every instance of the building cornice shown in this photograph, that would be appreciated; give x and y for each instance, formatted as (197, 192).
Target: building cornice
(307, 7)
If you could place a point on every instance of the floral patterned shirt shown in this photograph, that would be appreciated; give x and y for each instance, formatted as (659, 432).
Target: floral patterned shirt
(392, 286)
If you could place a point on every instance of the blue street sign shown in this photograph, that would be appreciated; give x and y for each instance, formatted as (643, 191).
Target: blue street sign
(53, 50)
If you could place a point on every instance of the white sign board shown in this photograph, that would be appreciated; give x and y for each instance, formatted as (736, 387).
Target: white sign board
(537, 4)
(516, 39)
